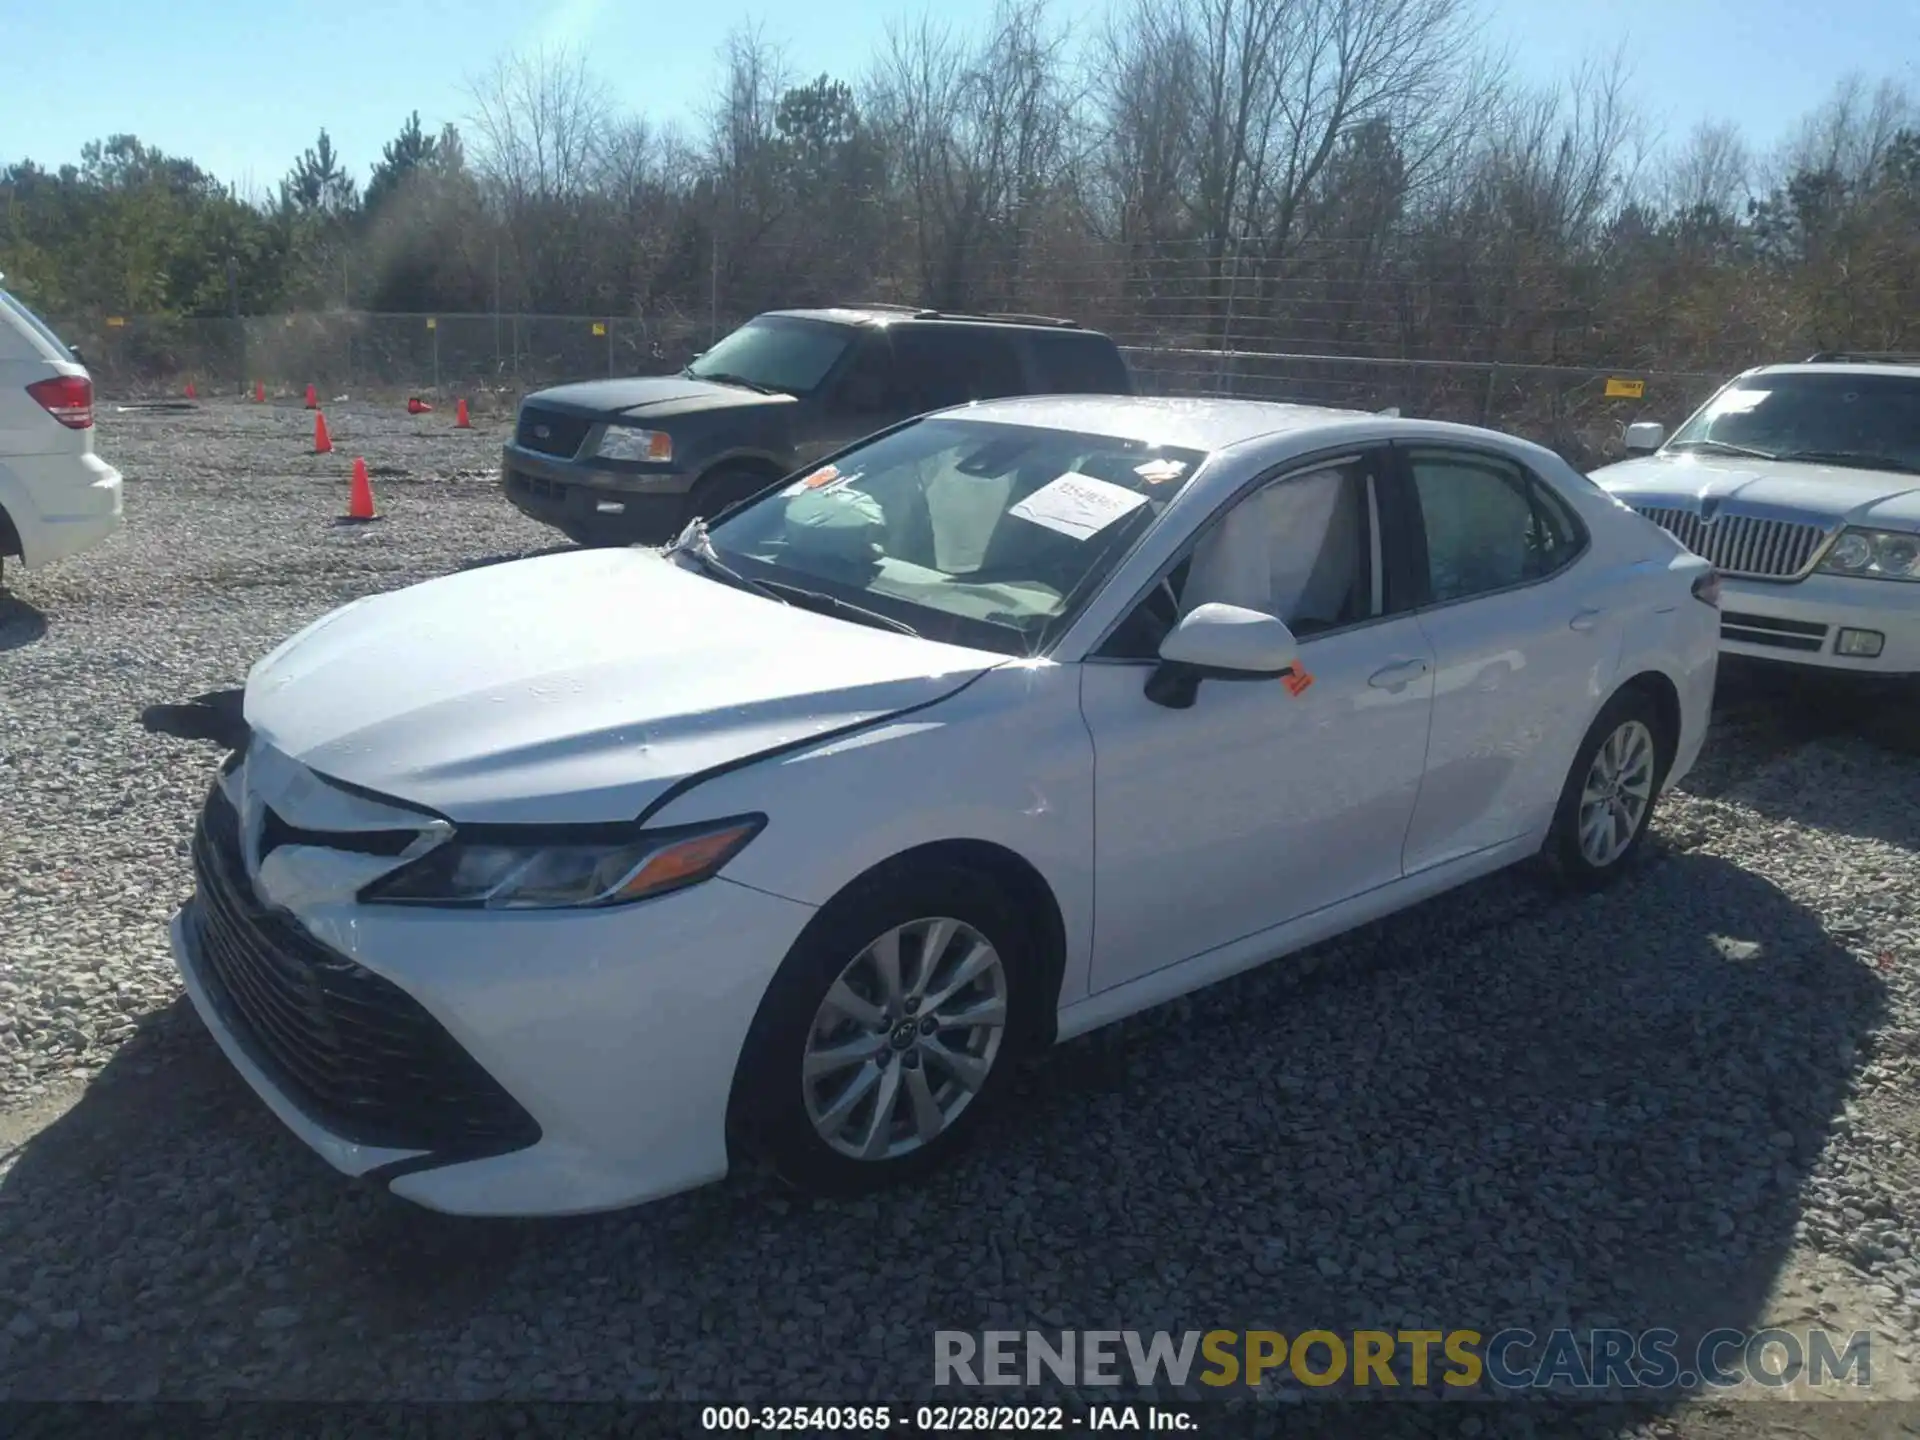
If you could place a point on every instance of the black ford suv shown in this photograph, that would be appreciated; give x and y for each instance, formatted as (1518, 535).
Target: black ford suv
(632, 460)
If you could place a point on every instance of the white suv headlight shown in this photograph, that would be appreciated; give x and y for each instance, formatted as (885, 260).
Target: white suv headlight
(1875, 554)
(624, 442)
(562, 872)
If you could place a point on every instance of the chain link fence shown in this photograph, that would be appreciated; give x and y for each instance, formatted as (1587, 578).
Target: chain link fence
(493, 359)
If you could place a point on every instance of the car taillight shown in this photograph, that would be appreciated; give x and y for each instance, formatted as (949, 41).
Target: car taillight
(68, 398)
(1706, 589)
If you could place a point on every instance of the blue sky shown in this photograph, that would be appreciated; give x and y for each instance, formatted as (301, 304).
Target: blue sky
(242, 88)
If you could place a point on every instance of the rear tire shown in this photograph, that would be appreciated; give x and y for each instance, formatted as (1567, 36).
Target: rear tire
(845, 1088)
(1607, 804)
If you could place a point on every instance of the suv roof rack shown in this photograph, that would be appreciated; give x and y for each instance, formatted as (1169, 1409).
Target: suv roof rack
(922, 312)
(1863, 357)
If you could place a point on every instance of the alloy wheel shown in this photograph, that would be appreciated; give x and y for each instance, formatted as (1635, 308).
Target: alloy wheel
(1617, 793)
(904, 1039)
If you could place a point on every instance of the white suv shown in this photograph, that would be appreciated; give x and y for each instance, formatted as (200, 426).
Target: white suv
(56, 496)
(1801, 483)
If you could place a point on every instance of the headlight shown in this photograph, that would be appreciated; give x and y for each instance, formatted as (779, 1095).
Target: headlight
(623, 442)
(564, 874)
(1875, 554)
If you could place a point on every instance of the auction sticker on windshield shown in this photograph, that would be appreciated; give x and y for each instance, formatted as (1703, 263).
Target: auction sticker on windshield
(1078, 505)
(825, 476)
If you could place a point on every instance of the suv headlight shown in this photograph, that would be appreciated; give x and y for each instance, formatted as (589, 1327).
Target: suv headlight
(1875, 554)
(565, 874)
(624, 442)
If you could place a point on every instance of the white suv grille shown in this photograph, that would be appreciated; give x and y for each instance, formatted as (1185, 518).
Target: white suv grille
(1744, 545)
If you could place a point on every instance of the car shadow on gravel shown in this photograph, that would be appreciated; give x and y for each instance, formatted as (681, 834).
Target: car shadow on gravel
(21, 623)
(1502, 1108)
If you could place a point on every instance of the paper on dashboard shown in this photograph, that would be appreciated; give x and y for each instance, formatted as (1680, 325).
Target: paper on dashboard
(1078, 505)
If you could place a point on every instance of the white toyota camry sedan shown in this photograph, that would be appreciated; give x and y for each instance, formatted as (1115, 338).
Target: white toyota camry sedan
(557, 885)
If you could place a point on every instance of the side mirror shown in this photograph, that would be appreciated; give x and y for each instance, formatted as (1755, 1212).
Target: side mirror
(1220, 642)
(1644, 437)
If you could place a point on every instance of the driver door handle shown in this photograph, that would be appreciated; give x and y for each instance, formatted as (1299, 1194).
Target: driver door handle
(1397, 677)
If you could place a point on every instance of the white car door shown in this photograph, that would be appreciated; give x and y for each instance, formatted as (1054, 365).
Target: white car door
(1258, 804)
(1523, 640)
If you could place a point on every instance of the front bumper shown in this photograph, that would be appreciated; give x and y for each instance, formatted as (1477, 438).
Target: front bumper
(638, 507)
(1800, 624)
(616, 1031)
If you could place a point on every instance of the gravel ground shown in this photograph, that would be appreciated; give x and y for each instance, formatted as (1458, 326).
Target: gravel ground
(1688, 1103)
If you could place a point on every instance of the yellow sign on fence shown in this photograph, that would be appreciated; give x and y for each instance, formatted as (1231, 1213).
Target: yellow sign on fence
(598, 328)
(116, 321)
(1618, 389)
(432, 324)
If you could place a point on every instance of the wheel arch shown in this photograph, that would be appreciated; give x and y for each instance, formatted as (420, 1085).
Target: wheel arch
(1659, 688)
(1031, 895)
(750, 462)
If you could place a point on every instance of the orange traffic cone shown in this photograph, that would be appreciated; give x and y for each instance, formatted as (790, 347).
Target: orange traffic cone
(259, 393)
(192, 394)
(322, 442)
(460, 421)
(417, 406)
(313, 398)
(360, 497)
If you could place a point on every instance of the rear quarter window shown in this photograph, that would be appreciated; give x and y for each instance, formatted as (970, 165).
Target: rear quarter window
(1069, 364)
(953, 365)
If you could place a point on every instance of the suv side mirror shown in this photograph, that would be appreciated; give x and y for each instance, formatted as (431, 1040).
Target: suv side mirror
(1644, 437)
(1220, 642)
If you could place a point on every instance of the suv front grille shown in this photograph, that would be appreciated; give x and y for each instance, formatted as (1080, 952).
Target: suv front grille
(563, 433)
(357, 1054)
(1743, 545)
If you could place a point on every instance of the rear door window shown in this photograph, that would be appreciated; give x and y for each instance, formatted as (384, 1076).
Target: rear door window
(16, 310)
(1070, 364)
(953, 365)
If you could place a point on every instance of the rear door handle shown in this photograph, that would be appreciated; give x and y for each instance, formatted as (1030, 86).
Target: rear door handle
(1585, 619)
(1397, 677)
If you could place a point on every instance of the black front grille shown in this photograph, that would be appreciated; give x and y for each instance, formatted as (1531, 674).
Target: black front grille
(563, 432)
(358, 1055)
(1765, 630)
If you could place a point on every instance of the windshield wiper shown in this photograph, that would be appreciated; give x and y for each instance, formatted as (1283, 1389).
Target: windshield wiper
(721, 377)
(694, 543)
(834, 605)
(1860, 458)
(1723, 447)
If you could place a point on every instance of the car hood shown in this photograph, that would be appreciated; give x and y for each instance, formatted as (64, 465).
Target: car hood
(575, 687)
(655, 396)
(1820, 494)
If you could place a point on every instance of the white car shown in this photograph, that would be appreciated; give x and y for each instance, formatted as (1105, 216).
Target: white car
(1801, 483)
(534, 889)
(56, 496)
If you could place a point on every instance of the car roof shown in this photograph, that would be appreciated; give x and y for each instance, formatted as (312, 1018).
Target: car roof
(1183, 423)
(867, 315)
(1904, 368)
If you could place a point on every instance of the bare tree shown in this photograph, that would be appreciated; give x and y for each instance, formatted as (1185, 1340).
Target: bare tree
(1711, 172)
(541, 121)
(979, 136)
(1270, 89)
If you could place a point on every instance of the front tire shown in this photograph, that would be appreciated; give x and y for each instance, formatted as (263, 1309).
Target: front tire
(1607, 804)
(888, 1032)
(723, 487)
